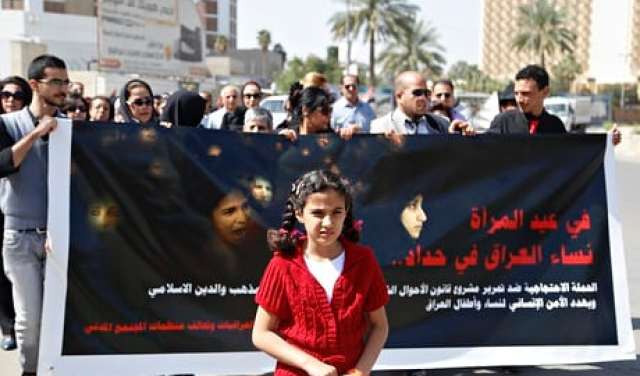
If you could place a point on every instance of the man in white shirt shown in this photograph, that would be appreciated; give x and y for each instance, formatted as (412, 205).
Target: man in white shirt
(229, 95)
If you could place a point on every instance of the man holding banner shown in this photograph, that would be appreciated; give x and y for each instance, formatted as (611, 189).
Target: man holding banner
(411, 117)
(23, 198)
(531, 88)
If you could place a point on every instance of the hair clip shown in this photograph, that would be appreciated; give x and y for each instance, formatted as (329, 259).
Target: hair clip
(357, 225)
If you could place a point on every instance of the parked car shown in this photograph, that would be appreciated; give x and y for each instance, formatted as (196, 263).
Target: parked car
(275, 104)
(575, 112)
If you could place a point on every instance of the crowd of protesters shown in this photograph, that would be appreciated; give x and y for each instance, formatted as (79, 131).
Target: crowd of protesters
(29, 108)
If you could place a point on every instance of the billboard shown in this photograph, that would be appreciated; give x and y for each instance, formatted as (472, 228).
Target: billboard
(156, 38)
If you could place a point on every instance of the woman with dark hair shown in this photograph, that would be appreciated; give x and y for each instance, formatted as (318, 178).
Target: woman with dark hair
(15, 93)
(251, 94)
(76, 108)
(136, 103)
(313, 114)
(100, 109)
(291, 106)
(184, 108)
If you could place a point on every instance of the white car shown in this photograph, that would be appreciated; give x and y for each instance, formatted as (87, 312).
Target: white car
(275, 104)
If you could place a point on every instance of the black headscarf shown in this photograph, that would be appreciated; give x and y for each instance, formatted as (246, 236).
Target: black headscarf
(184, 108)
(123, 109)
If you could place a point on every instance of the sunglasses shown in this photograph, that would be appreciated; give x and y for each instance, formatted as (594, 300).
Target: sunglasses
(18, 95)
(445, 95)
(350, 87)
(77, 108)
(55, 82)
(253, 96)
(325, 110)
(421, 92)
(148, 101)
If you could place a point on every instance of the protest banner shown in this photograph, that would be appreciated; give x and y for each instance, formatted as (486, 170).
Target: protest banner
(497, 250)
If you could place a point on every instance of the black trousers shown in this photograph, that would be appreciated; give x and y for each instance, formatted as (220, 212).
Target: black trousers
(7, 315)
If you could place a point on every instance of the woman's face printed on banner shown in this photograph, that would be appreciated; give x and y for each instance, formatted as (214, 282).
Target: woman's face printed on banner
(104, 215)
(413, 217)
(261, 190)
(231, 218)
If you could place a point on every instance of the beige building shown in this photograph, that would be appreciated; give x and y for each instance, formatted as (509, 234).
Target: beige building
(607, 44)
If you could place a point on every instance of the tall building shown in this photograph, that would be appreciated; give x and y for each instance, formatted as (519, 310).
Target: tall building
(607, 38)
(217, 12)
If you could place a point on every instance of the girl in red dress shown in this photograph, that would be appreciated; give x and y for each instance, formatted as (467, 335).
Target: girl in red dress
(321, 299)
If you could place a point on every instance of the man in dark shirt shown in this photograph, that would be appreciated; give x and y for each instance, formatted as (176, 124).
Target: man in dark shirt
(531, 87)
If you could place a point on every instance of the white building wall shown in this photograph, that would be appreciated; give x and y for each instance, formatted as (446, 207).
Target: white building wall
(611, 41)
(5, 61)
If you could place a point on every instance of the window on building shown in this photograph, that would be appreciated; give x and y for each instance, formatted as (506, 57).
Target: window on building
(54, 6)
(234, 10)
(211, 6)
(13, 4)
(212, 24)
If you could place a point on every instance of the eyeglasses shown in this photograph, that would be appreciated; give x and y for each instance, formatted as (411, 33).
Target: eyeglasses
(253, 95)
(445, 95)
(77, 108)
(421, 92)
(18, 95)
(55, 82)
(148, 101)
(350, 87)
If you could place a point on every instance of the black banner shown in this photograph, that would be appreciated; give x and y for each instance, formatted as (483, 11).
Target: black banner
(484, 241)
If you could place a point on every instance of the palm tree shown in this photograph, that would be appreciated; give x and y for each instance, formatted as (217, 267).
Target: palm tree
(543, 30)
(414, 47)
(264, 40)
(375, 20)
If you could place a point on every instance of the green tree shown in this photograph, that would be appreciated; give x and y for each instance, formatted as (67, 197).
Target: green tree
(297, 68)
(264, 40)
(564, 73)
(543, 30)
(469, 77)
(414, 47)
(374, 20)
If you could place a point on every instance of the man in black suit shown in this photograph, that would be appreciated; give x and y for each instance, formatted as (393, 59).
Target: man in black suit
(531, 87)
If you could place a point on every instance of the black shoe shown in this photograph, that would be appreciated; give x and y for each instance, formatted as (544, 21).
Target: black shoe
(8, 342)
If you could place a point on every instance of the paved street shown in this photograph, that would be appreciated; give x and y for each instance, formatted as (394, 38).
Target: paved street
(628, 169)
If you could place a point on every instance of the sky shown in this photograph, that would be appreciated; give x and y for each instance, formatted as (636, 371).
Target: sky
(301, 26)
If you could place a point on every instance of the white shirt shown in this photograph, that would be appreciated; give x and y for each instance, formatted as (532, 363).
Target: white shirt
(326, 272)
(214, 119)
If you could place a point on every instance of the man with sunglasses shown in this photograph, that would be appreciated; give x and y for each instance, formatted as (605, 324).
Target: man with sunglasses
(411, 117)
(443, 92)
(350, 114)
(23, 163)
